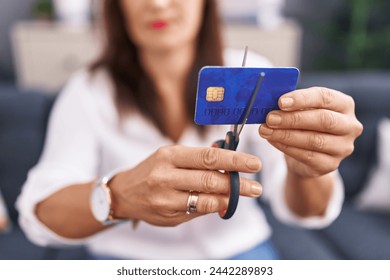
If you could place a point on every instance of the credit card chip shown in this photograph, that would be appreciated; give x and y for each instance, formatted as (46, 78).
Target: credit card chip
(215, 94)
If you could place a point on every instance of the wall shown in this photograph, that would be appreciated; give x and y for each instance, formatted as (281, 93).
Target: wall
(10, 11)
(313, 15)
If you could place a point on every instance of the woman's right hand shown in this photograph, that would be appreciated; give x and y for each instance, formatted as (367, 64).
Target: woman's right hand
(156, 191)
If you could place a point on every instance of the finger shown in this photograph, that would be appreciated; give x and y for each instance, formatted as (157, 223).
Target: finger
(207, 203)
(320, 120)
(316, 97)
(320, 162)
(213, 182)
(308, 140)
(214, 159)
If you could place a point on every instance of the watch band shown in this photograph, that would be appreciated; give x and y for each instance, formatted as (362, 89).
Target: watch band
(103, 183)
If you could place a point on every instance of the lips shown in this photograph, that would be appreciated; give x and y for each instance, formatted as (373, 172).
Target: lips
(159, 24)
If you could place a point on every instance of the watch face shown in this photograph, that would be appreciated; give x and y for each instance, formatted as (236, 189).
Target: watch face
(99, 204)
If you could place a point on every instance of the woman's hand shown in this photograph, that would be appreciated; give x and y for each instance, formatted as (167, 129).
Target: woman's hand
(156, 191)
(315, 129)
(3, 223)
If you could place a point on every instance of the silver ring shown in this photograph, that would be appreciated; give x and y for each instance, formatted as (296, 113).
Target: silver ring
(192, 202)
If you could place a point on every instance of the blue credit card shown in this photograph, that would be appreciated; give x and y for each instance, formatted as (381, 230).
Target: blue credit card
(224, 93)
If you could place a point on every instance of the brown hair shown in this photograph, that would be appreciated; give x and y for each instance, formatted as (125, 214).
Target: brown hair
(132, 85)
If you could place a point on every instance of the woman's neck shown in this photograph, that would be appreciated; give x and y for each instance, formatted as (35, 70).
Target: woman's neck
(169, 68)
(169, 71)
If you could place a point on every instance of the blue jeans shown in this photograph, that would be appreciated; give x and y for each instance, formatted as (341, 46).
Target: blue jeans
(263, 251)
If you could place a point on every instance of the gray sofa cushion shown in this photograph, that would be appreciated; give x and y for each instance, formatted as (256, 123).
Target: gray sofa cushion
(23, 118)
(361, 235)
(293, 243)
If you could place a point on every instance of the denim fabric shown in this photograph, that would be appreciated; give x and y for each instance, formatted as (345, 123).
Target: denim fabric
(263, 251)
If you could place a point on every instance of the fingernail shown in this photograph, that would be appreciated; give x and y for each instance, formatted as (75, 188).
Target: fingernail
(274, 119)
(222, 213)
(286, 102)
(256, 189)
(253, 163)
(266, 131)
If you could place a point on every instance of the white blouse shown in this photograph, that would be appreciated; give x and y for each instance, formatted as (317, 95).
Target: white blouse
(84, 141)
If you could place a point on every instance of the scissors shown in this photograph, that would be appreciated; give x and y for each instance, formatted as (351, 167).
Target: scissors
(231, 142)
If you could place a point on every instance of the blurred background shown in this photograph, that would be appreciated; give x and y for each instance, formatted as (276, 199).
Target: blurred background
(342, 44)
(38, 37)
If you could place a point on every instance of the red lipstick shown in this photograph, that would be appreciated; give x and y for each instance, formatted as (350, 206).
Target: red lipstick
(159, 24)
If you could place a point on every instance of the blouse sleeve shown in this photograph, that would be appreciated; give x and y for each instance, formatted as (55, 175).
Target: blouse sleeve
(273, 175)
(70, 156)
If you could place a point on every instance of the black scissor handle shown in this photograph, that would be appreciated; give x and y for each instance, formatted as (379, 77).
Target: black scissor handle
(230, 143)
(233, 195)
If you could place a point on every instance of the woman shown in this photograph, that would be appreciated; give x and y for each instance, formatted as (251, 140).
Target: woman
(121, 138)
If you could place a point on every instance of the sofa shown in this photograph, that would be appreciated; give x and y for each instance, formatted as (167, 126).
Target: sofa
(23, 119)
(354, 235)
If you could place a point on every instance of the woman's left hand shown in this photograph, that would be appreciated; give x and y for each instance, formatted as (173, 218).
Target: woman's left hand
(315, 129)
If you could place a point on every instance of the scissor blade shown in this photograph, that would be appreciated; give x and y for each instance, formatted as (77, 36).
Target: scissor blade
(251, 103)
(235, 128)
(245, 54)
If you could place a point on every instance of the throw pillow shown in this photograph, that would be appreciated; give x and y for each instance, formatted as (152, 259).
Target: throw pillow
(376, 194)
